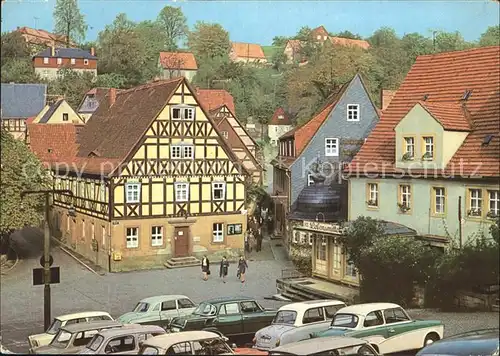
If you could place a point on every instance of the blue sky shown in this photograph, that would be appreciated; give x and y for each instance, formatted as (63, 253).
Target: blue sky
(259, 21)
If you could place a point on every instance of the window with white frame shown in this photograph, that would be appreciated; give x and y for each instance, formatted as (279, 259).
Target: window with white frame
(176, 113)
(181, 191)
(475, 201)
(302, 238)
(353, 112)
(310, 180)
(176, 152)
(189, 113)
(409, 147)
(156, 235)
(373, 195)
(187, 152)
(132, 192)
(281, 117)
(132, 237)
(296, 236)
(182, 113)
(218, 232)
(73, 61)
(59, 60)
(428, 147)
(321, 248)
(86, 62)
(225, 134)
(318, 37)
(310, 238)
(331, 147)
(405, 197)
(218, 190)
(439, 200)
(45, 60)
(181, 151)
(494, 203)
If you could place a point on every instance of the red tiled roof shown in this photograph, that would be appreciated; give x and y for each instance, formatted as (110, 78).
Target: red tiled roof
(211, 99)
(349, 42)
(275, 120)
(248, 50)
(53, 143)
(444, 78)
(43, 36)
(178, 60)
(451, 116)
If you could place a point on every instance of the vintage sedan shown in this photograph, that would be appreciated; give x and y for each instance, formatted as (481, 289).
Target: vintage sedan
(335, 346)
(73, 338)
(237, 318)
(386, 326)
(159, 310)
(296, 321)
(63, 320)
(186, 343)
(124, 340)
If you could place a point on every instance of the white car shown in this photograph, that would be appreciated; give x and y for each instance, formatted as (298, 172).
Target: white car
(386, 326)
(63, 320)
(295, 322)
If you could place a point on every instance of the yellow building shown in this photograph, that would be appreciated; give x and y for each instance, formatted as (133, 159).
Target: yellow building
(153, 179)
(60, 112)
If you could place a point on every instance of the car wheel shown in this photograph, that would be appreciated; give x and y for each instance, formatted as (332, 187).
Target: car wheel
(430, 338)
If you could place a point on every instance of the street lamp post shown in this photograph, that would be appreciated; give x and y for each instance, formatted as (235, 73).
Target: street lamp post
(46, 250)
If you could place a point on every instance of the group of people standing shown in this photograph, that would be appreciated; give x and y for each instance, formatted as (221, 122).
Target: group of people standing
(224, 268)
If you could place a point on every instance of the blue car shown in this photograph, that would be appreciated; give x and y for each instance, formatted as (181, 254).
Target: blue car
(480, 342)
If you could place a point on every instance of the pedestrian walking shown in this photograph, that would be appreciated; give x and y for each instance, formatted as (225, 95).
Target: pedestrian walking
(259, 240)
(205, 267)
(242, 267)
(224, 267)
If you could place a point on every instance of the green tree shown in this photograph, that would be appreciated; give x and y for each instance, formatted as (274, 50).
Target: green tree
(491, 37)
(173, 24)
(279, 60)
(449, 41)
(19, 71)
(71, 85)
(304, 34)
(110, 80)
(14, 47)
(209, 40)
(348, 34)
(361, 235)
(69, 21)
(21, 170)
(280, 41)
(154, 41)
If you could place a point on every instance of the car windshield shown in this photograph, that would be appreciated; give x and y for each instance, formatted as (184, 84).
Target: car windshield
(205, 309)
(95, 342)
(285, 317)
(345, 320)
(61, 340)
(141, 307)
(54, 327)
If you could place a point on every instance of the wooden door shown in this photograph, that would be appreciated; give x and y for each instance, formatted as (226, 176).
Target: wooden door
(181, 238)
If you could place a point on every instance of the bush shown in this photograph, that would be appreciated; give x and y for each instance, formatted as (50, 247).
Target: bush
(391, 267)
(303, 265)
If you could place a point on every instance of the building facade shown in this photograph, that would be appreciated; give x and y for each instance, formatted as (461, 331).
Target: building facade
(177, 64)
(60, 112)
(247, 53)
(43, 38)
(170, 187)
(279, 124)
(334, 136)
(49, 62)
(20, 102)
(432, 163)
(93, 98)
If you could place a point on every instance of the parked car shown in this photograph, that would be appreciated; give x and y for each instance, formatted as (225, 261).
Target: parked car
(335, 345)
(386, 326)
(159, 310)
(478, 342)
(234, 317)
(124, 340)
(73, 338)
(186, 343)
(296, 321)
(63, 320)
(3, 350)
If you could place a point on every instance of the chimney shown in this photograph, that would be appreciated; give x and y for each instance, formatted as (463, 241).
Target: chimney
(386, 97)
(112, 96)
(92, 51)
(52, 51)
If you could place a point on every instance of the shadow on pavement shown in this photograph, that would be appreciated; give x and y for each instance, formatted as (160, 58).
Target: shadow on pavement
(27, 243)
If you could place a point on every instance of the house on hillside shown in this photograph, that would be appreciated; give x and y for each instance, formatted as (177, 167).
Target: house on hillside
(43, 38)
(153, 180)
(279, 124)
(432, 162)
(333, 137)
(48, 62)
(18, 103)
(319, 34)
(247, 53)
(212, 99)
(93, 98)
(177, 64)
(59, 112)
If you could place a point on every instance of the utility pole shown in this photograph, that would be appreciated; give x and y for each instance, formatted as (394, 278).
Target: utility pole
(35, 19)
(460, 222)
(46, 250)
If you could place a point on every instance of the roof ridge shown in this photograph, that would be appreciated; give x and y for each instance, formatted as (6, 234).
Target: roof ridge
(148, 85)
(459, 52)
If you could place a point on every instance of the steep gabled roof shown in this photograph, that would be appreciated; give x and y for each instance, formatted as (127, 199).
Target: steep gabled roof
(241, 126)
(178, 60)
(320, 30)
(248, 50)
(444, 79)
(22, 100)
(211, 99)
(51, 111)
(275, 120)
(452, 117)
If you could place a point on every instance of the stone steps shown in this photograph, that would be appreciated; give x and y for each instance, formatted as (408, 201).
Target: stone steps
(292, 288)
(180, 262)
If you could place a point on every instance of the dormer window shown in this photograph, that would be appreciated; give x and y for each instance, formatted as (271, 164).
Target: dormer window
(428, 148)
(409, 148)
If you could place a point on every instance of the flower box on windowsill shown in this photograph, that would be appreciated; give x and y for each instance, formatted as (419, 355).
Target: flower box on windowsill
(491, 215)
(407, 157)
(372, 204)
(427, 157)
(474, 212)
(403, 208)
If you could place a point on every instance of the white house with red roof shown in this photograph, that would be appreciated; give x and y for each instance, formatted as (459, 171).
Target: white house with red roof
(432, 162)
(177, 64)
(279, 124)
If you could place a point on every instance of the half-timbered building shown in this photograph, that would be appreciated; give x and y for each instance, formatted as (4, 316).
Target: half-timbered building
(152, 179)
